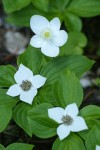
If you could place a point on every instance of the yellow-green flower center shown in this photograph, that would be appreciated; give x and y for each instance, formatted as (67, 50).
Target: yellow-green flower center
(47, 34)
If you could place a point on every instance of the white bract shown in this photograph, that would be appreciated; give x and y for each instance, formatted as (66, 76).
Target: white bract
(26, 84)
(48, 36)
(68, 120)
(97, 147)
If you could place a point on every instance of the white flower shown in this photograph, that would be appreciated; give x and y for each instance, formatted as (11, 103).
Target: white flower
(26, 84)
(97, 147)
(48, 36)
(68, 120)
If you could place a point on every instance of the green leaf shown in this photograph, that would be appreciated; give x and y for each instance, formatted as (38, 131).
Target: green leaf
(76, 63)
(7, 100)
(46, 94)
(14, 5)
(6, 105)
(2, 147)
(65, 89)
(91, 123)
(41, 109)
(20, 146)
(75, 44)
(7, 75)
(90, 112)
(61, 4)
(22, 17)
(41, 125)
(72, 22)
(93, 139)
(5, 116)
(43, 120)
(20, 116)
(53, 7)
(42, 5)
(71, 142)
(68, 89)
(85, 8)
(83, 134)
(31, 58)
(34, 119)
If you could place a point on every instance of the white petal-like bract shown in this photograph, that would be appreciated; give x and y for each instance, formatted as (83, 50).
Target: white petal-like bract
(78, 124)
(23, 73)
(55, 24)
(50, 49)
(60, 38)
(38, 81)
(63, 131)
(71, 110)
(14, 90)
(56, 114)
(97, 147)
(36, 41)
(28, 96)
(38, 23)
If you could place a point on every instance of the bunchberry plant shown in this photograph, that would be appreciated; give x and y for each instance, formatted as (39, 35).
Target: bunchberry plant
(68, 120)
(48, 35)
(26, 84)
(44, 97)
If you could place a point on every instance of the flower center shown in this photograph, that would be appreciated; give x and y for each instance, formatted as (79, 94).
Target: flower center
(67, 120)
(47, 34)
(26, 85)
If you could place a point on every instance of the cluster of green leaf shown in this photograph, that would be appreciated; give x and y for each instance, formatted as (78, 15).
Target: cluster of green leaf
(62, 88)
(63, 73)
(19, 146)
(68, 11)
